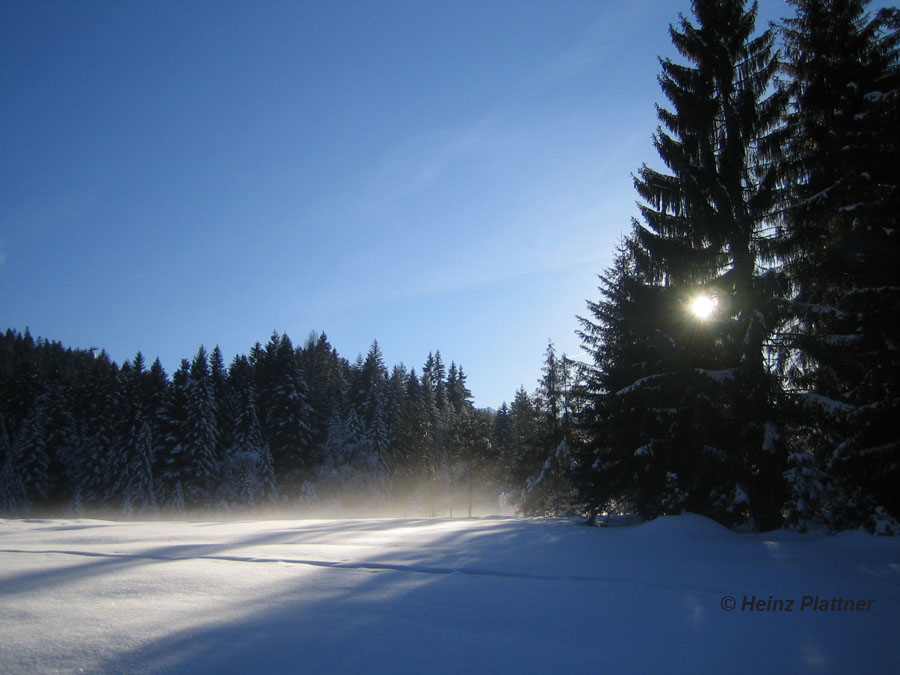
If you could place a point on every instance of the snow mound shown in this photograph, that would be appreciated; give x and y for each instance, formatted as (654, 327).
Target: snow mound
(684, 526)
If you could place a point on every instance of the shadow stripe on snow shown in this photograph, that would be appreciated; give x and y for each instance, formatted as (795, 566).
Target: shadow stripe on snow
(394, 567)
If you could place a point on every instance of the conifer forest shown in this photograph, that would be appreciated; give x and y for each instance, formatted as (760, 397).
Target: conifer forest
(743, 348)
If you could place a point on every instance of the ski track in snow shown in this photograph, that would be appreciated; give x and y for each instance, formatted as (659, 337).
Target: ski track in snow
(374, 566)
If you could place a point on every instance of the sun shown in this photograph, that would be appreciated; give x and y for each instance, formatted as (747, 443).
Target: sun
(703, 306)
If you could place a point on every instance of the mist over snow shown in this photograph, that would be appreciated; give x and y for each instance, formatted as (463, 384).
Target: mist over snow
(482, 595)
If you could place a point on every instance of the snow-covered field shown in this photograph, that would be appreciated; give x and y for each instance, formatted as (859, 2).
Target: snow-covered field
(488, 595)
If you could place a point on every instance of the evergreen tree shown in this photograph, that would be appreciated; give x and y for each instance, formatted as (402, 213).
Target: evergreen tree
(173, 459)
(472, 455)
(414, 458)
(218, 376)
(21, 380)
(549, 491)
(13, 497)
(554, 396)
(617, 420)
(287, 414)
(433, 460)
(396, 391)
(29, 461)
(200, 432)
(811, 496)
(524, 455)
(458, 393)
(439, 382)
(12, 492)
(841, 246)
(62, 442)
(325, 383)
(95, 473)
(351, 473)
(139, 366)
(434, 373)
(156, 403)
(705, 384)
(374, 399)
(4, 440)
(138, 489)
(502, 431)
(249, 474)
(550, 387)
(176, 498)
(409, 436)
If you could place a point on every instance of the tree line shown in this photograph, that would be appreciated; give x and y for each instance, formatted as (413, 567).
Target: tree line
(743, 352)
(284, 428)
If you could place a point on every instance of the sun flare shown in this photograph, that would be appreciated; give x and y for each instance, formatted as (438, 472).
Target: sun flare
(703, 306)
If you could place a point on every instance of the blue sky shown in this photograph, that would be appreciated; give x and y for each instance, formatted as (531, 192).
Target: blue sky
(433, 175)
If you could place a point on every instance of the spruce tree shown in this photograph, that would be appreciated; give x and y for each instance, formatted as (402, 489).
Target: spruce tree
(138, 490)
(618, 426)
(63, 444)
(548, 488)
(200, 432)
(433, 371)
(458, 393)
(96, 475)
(374, 398)
(248, 460)
(224, 414)
(29, 461)
(287, 414)
(471, 455)
(502, 431)
(4, 440)
(409, 439)
(326, 382)
(172, 459)
(156, 405)
(711, 429)
(841, 246)
(524, 455)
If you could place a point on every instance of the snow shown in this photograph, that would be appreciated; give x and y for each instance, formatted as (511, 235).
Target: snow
(842, 340)
(720, 376)
(850, 207)
(642, 382)
(771, 436)
(644, 451)
(482, 595)
(820, 309)
(827, 404)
